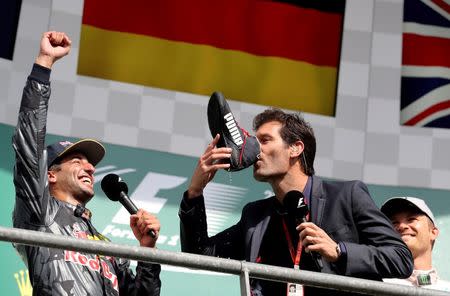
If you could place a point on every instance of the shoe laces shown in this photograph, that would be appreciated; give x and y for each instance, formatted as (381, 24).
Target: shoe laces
(246, 134)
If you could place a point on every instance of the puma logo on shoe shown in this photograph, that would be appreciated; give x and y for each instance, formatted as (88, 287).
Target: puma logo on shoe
(245, 148)
(233, 129)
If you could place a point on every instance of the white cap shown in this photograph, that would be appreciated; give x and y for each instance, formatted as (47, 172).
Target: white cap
(399, 204)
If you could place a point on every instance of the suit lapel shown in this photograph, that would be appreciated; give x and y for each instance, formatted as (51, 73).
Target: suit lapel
(257, 238)
(317, 207)
(318, 201)
(255, 234)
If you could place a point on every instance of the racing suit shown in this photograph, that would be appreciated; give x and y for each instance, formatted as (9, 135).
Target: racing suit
(55, 271)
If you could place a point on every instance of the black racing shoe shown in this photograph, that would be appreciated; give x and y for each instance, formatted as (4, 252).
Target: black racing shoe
(221, 121)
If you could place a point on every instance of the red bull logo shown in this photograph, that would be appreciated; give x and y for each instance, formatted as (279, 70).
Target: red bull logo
(94, 264)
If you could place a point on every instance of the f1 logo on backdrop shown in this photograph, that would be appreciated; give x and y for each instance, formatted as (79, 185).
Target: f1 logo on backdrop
(145, 194)
(220, 200)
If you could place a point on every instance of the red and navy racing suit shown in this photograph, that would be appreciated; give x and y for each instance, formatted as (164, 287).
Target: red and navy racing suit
(55, 271)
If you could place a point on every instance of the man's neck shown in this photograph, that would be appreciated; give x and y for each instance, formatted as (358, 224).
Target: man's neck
(67, 198)
(423, 262)
(288, 183)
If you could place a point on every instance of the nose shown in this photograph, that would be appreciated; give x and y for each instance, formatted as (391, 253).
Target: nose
(401, 226)
(89, 168)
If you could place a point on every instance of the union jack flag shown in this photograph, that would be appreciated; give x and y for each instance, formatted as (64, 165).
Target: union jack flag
(425, 84)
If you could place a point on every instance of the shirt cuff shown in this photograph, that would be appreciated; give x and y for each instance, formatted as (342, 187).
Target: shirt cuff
(40, 73)
(189, 203)
(343, 249)
(154, 267)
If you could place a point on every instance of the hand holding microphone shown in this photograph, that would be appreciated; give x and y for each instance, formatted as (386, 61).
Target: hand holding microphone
(141, 221)
(314, 238)
(295, 202)
(144, 226)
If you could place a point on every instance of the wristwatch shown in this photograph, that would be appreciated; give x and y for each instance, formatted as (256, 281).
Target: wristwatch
(338, 250)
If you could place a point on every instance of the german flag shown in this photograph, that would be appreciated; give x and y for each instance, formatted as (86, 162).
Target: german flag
(276, 53)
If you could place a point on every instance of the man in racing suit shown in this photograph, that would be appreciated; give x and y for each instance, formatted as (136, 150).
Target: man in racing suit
(53, 185)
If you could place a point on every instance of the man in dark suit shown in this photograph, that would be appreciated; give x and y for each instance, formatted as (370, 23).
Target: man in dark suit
(344, 233)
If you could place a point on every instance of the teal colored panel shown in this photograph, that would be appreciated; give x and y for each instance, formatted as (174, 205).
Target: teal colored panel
(156, 181)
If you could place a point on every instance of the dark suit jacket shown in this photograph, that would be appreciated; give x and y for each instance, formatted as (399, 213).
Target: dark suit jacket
(344, 210)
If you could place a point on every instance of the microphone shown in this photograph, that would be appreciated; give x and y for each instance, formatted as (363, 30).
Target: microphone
(117, 190)
(294, 200)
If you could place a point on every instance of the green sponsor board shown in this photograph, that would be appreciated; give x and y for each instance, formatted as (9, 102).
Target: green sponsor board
(156, 182)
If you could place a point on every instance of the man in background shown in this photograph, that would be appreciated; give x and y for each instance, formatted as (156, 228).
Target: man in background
(415, 222)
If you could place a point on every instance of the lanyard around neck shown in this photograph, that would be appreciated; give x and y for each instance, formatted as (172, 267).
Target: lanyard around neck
(295, 254)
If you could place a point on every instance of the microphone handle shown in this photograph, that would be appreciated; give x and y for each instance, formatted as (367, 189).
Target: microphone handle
(317, 260)
(316, 256)
(129, 205)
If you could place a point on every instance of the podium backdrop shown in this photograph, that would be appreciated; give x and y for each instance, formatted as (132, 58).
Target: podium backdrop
(156, 181)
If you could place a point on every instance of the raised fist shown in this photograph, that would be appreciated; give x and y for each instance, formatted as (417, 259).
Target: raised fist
(54, 45)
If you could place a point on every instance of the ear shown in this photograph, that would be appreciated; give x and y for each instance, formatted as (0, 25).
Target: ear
(434, 233)
(296, 149)
(51, 177)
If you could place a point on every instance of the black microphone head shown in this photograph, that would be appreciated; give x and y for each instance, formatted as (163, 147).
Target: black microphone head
(292, 198)
(302, 210)
(113, 185)
(294, 201)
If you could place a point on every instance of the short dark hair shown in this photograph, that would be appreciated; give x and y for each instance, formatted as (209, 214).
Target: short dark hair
(294, 128)
(56, 166)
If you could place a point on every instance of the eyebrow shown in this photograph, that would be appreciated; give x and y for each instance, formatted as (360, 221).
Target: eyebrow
(264, 135)
(408, 216)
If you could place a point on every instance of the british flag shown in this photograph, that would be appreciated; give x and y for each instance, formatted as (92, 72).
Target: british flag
(425, 84)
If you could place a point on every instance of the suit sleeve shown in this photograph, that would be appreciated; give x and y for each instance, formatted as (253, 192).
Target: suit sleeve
(145, 282)
(30, 170)
(380, 252)
(194, 234)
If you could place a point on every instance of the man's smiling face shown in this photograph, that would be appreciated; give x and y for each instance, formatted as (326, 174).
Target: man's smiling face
(416, 230)
(75, 177)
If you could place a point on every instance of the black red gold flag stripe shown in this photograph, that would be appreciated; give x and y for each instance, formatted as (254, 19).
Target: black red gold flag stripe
(9, 19)
(263, 52)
